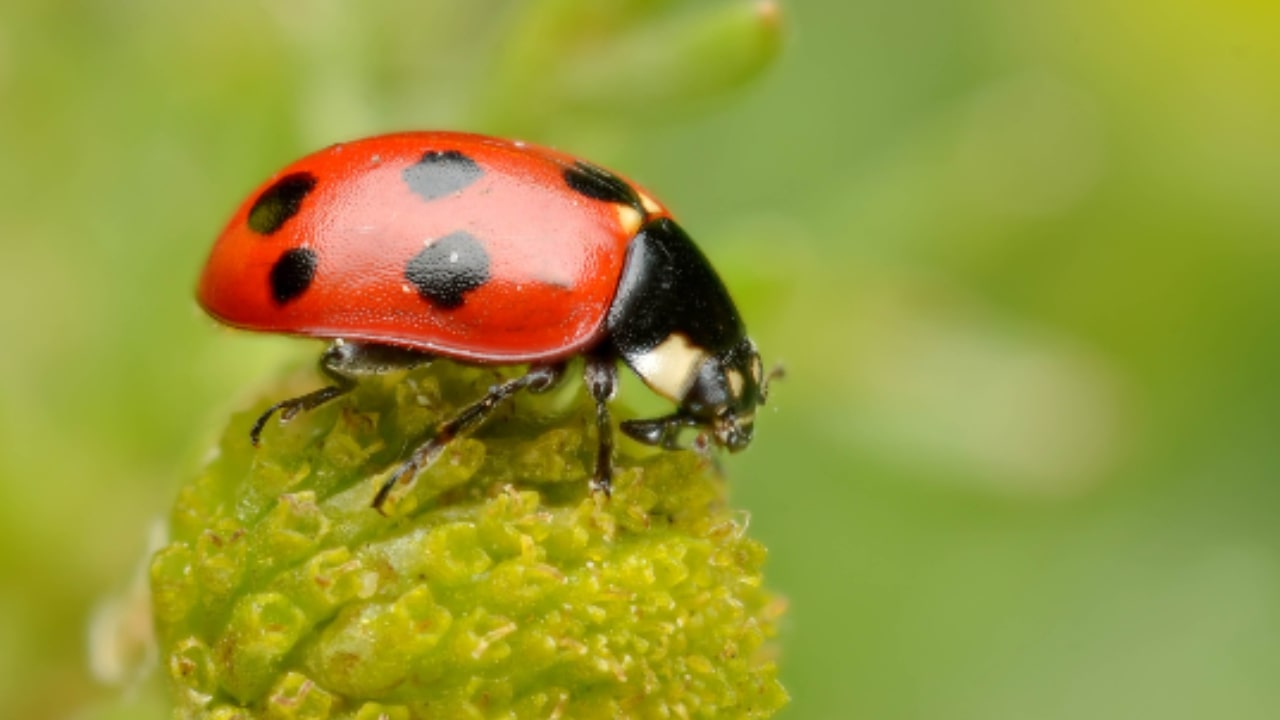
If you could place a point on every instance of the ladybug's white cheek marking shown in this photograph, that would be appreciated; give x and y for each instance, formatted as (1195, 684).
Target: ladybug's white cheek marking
(630, 219)
(670, 367)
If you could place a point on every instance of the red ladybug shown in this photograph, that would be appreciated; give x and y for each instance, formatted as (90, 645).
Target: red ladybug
(414, 245)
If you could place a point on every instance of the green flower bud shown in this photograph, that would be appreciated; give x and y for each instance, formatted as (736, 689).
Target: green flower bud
(680, 59)
(497, 585)
(627, 57)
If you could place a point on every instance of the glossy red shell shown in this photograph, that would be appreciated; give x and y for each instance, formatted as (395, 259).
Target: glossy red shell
(555, 255)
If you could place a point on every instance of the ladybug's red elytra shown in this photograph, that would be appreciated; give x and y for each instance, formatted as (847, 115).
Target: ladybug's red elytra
(416, 245)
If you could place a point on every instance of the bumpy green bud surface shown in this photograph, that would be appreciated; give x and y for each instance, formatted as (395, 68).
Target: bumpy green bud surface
(496, 586)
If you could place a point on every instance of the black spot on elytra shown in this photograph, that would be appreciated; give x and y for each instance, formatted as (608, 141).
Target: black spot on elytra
(292, 274)
(600, 184)
(440, 173)
(448, 268)
(281, 201)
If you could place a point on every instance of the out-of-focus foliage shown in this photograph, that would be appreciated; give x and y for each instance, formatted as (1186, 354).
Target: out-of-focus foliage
(1022, 261)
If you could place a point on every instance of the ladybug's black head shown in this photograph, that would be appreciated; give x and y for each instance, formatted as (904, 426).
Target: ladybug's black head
(725, 393)
(721, 398)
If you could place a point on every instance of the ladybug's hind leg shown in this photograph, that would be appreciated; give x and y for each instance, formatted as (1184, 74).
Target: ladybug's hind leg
(288, 408)
(539, 378)
(343, 363)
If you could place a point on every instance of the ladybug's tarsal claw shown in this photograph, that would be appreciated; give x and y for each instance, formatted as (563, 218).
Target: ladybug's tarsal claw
(603, 486)
(405, 474)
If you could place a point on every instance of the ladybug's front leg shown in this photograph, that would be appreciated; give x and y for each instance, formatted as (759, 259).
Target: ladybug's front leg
(663, 432)
(343, 363)
(539, 378)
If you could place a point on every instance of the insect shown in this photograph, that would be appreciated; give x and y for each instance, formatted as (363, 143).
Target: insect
(405, 247)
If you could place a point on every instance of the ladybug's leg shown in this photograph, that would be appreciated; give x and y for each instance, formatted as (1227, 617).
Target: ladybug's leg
(343, 363)
(288, 408)
(538, 379)
(601, 375)
(663, 431)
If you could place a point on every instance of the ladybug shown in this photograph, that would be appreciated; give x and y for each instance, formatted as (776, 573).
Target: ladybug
(405, 247)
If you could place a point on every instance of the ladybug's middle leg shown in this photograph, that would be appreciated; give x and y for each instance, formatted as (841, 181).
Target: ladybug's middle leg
(601, 375)
(343, 363)
(538, 379)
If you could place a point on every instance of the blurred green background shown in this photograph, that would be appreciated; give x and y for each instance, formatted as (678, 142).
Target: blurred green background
(1022, 260)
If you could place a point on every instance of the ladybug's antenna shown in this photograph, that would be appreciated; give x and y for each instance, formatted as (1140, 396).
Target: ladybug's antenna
(777, 372)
